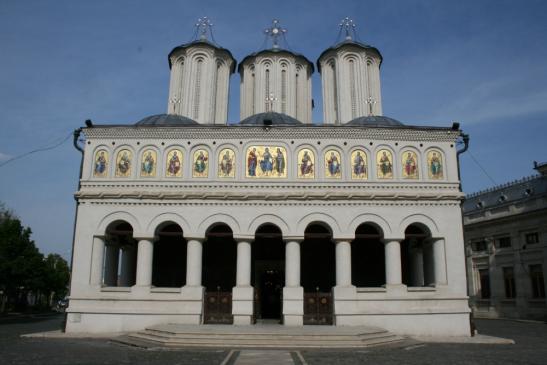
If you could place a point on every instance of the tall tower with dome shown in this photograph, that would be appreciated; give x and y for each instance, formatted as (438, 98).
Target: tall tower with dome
(184, 218)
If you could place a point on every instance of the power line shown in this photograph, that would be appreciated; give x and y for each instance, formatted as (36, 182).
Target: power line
(41, 149)
(482, 168)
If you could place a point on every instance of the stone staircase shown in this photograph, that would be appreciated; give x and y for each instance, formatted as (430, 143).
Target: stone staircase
(265, 336)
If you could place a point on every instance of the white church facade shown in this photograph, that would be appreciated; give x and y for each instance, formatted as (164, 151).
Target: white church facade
(184, 218)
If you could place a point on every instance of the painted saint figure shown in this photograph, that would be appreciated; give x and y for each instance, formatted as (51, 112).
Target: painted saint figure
(226, 164)
(100, 164)
(410, 165)
(435, 166)
(279, 162)
(124, 164)
(200, 165)
(386, 168)
(148, 164)
(306, 164)
(266, 164)
(359, 167)
(252, 161)
(333, 164)
(173, 167)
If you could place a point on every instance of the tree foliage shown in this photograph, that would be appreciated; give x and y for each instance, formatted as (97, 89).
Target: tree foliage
(24, 270)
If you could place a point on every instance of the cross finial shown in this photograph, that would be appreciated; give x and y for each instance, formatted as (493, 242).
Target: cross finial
(269, 102)
(274, 32)
(370, 101)
(203, 25)
(349, 27)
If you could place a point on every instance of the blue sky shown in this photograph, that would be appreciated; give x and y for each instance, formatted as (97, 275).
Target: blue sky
(482, 63)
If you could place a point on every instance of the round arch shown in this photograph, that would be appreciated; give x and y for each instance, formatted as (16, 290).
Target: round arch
(322, 219)
(271, 219)
(214, 219)
(373, 219)
(117, 216)
(424, 221)
(165, 218)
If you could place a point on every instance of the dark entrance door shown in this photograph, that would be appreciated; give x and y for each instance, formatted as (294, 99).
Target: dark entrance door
(318, 275)
(268, 267)
(271, 288)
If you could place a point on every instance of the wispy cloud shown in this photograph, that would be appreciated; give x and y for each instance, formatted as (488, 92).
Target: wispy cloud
(4, 156)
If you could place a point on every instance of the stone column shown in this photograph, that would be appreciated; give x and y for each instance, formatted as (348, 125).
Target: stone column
(127, 274)
(243, 292)
(97, 261)
(429, 266)
(439, 261)
(145, 257)
(111, 265)
(293, 293)
(343, 263)
(194, 262)
(393, 262)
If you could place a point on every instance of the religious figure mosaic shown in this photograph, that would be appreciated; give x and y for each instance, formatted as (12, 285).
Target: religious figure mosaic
(266, 162)
(435, 164)
(200, 163)
(359, 165)
(148, 163)
(384, 163)
(123, 163)
(409, 161)
(226, 163)
(306, 164)
(100, 167)
(332, 164)
(173, 166)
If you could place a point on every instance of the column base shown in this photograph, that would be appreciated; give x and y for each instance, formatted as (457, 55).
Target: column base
(140, 289)
(242, 305)
(293, 306)
(193, 292)
(396, 289)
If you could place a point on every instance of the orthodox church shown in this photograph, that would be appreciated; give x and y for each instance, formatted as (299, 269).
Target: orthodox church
(183, 218)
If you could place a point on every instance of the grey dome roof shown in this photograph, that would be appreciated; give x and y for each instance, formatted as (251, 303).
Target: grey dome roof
(206, 43)
(348, 42)
(275, 50)
(374, 121)
(166, 120)
(270, 118)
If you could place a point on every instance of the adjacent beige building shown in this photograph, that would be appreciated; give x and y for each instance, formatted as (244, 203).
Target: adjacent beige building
(506, 248)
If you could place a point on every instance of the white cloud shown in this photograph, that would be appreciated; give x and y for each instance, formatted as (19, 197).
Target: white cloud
(4, 157)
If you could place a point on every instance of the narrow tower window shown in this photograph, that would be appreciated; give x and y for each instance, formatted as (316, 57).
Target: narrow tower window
(267, 88)
(197, 89)
(335, 91)
(352, 88)
(296, 80)
(284, 91)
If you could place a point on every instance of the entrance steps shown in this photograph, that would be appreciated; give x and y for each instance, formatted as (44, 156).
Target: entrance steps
(259, 336)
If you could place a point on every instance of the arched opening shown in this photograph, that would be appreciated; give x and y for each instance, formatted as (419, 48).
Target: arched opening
(318, 273)
(120, 264)
(219, 273)
(417, 257)
(169, 259)
(368, 257)
(268, 271)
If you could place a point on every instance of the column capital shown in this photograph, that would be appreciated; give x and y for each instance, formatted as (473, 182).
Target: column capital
(196, 237)
(343, 239)
(139, 236)
(244, 237)
(298, 239)
(390, 239)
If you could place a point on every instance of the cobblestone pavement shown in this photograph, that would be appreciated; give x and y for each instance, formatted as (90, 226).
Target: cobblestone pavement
(530, 348)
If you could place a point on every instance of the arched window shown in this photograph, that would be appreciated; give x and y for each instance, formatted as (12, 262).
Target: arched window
(334, 90)
(197, 89)
(120, 264)
(267, 89)
(417, 257)
(169, 258)
(283, 91)
(367, 257)
(352, 88)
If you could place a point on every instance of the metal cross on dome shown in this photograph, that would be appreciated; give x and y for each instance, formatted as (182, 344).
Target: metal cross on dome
(269, 102)
(370, 101)
(348, 26)
(202, 26)
(275, 31)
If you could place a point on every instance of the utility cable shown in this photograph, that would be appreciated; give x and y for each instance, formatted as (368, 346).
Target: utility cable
(482, 168)
(41, 149)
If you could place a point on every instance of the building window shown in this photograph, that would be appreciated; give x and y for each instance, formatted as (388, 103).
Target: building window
(484, 275)
(531, 238)
(479, 245)
(284, 91)
(353, 92)
(509, 282)
(538, 283)
(504, 242)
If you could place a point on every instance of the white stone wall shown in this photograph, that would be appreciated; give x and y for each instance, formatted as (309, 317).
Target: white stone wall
(293, 95)
(195, 204)
(199, 83)
(350, 75)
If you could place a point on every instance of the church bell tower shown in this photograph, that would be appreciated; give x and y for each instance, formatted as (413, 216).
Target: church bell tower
(200, 75)
(350, 75)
